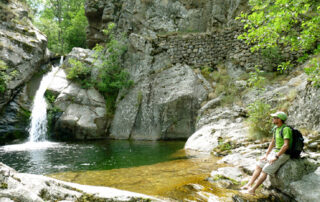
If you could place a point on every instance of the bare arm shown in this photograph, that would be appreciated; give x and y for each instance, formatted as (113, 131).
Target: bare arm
(271, 145)
(284, 147)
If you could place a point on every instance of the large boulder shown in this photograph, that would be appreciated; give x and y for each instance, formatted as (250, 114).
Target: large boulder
(22, 48)
(307, 189)
(83, 110)
(292, 171)
(16, 186)
(162, 106)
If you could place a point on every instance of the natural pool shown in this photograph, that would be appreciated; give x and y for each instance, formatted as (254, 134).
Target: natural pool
(49, 157)
(158, 168)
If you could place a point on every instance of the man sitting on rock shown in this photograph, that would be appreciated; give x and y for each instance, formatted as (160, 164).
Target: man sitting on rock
(272, 160)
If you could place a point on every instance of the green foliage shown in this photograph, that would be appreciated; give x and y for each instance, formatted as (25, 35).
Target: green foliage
(283, 23)
(3, 186)
(80, 73)
(222, 177)
(112, 77)
(313, 71)
(3, 68)
(272, 55)
(62, 21)
(259, 119)
(256, 80)
(225, 86)
(207, 73)
(50, 96)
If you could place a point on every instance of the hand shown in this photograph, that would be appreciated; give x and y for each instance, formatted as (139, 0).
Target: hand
(264, 158)
(272, 160)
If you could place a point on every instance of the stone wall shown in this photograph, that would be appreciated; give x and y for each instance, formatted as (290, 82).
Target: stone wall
(209, 49)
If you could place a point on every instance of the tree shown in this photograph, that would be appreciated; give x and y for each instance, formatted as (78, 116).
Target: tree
(63, 21)
(283, 23)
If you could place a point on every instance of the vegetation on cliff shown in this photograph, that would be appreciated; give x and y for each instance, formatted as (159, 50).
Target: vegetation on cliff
(111, 76)
(272, 26)
(62, 21)
(275, 24)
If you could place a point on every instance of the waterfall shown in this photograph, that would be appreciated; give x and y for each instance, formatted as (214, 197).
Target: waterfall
(38, 125)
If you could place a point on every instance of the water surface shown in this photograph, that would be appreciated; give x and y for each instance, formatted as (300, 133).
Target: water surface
(46, 157)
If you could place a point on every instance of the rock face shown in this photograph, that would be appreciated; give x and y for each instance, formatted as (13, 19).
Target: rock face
(22, 47)
(16, 186)
(306, 188)
(22, 52)
(161, 106)
(147, 17)
(83, 110)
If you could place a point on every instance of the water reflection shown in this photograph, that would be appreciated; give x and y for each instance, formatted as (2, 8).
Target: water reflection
(48, 157)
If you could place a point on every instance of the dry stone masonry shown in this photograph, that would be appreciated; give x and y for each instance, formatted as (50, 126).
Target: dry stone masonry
(209, 49)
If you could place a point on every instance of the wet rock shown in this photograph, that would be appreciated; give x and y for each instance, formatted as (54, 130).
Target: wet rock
(28, 187)
(232, 173)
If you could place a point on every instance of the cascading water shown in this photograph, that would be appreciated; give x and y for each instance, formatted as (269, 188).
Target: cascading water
(38, 125)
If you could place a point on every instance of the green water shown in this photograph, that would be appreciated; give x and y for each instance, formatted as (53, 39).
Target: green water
(93, 155)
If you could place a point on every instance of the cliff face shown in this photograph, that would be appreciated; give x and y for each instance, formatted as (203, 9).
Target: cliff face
(149, 17)
(22, 52)
(22, 47)
(167, 39)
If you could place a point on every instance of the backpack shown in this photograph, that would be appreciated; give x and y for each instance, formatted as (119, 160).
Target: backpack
(297, 143)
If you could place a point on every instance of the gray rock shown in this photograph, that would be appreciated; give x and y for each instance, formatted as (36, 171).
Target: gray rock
(293, 170)
(83, 110)
(307, 189)
(147, 17)
(22, 48)
(161, 106)
(38, 188)
(229, 173)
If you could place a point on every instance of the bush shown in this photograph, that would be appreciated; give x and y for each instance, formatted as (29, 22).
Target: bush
(112, 77)
(256, 79)
(313, 71)
(259, 120)
(3, 76)
(79, 73)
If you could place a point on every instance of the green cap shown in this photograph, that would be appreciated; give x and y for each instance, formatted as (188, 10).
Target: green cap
(280, 115)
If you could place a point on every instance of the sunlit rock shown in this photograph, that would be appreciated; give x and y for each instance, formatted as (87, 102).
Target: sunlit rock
(38, 188)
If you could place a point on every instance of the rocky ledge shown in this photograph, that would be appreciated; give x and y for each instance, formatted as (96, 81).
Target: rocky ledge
(222, 131)
(82, 111)
(16, 186)
(22, 48)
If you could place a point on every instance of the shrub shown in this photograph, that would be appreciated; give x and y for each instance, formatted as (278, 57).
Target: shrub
(283, 23)
(3, 76)
(313, 71)
(259, 119)
(256, 79)
(79, 72)
(112, 77)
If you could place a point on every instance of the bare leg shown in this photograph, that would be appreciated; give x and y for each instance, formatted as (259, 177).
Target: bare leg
(261, 179)
(255, 175)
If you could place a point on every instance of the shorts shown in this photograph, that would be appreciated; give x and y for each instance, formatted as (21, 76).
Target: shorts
(272, 168)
